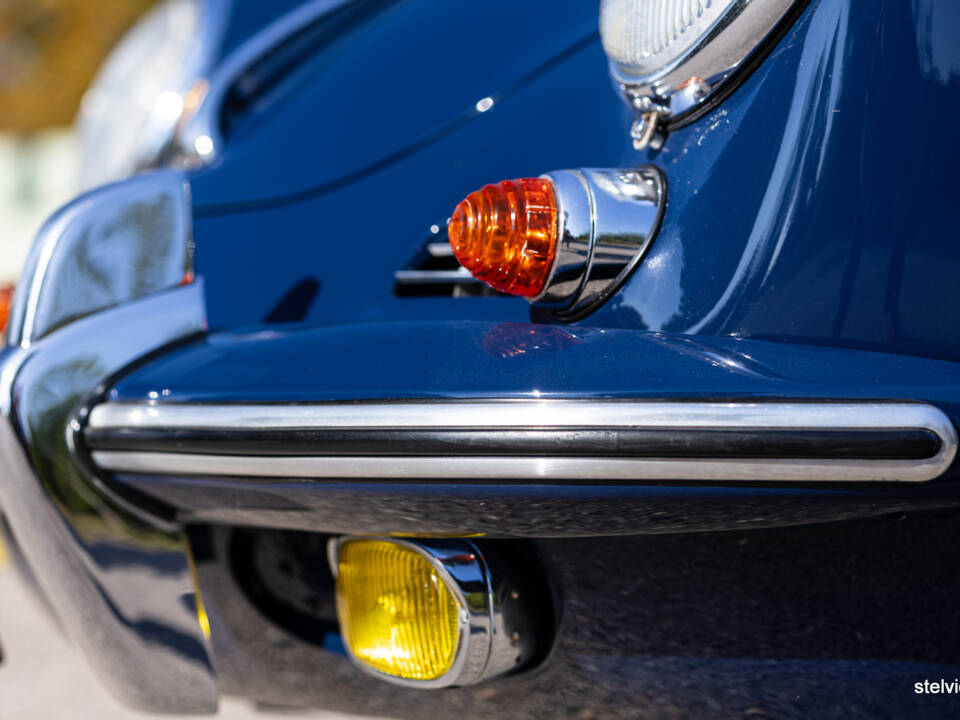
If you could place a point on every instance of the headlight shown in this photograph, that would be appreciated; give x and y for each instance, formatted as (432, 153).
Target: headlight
(669, 56)
(644, 36)
(140, 93)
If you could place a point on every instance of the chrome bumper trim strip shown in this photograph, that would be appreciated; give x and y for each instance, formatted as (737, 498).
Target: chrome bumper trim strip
(512, 468)
(524, 415)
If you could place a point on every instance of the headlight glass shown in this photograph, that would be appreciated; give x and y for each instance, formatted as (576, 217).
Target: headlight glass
(669, 56)
(136, 100)
(645, 36)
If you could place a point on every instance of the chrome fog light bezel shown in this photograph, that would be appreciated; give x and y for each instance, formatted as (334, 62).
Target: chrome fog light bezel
(495, 637)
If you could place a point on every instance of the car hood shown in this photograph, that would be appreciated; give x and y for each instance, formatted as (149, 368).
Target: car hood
(392, 79)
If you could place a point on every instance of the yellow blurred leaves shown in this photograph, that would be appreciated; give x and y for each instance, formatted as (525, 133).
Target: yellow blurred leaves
(49, 52)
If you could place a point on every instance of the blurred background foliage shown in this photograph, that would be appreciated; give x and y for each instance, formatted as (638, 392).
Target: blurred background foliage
(49, 53)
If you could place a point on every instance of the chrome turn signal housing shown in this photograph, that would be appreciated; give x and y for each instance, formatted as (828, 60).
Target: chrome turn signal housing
(429, 613)
(566, 240)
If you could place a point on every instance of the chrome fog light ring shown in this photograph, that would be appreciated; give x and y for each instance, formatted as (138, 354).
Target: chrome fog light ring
(495, 632)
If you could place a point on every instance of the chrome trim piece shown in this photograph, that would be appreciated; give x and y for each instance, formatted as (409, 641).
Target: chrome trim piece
(521, 469)
(113, 245)
(490, 632)
(526, 414)
(435, 264)
(608, 218)
(684, 84)
(199, 141)
(460, 276)
(618, 441)
(577, 220)
(439, 249)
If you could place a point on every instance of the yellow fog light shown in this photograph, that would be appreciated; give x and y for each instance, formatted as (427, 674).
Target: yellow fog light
(397, 614)
(433, 612)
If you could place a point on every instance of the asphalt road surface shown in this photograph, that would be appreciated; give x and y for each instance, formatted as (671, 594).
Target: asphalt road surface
(43, 677)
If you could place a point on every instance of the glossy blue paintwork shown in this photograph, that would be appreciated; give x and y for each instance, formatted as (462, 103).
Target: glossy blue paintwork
(815, 204)
(354, 239)
(479, 359)
(245, 18)
(807, 207)
(377, 200)
(396, 77)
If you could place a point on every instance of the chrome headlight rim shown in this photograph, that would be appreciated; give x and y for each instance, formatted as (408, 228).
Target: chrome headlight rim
(711, 69)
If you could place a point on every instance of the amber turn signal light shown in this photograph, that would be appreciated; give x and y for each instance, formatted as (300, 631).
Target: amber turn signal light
(566, 241)
(6, 300)
(506, 235)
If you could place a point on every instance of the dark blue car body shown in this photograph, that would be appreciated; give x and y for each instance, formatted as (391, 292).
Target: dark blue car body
(807, 253)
